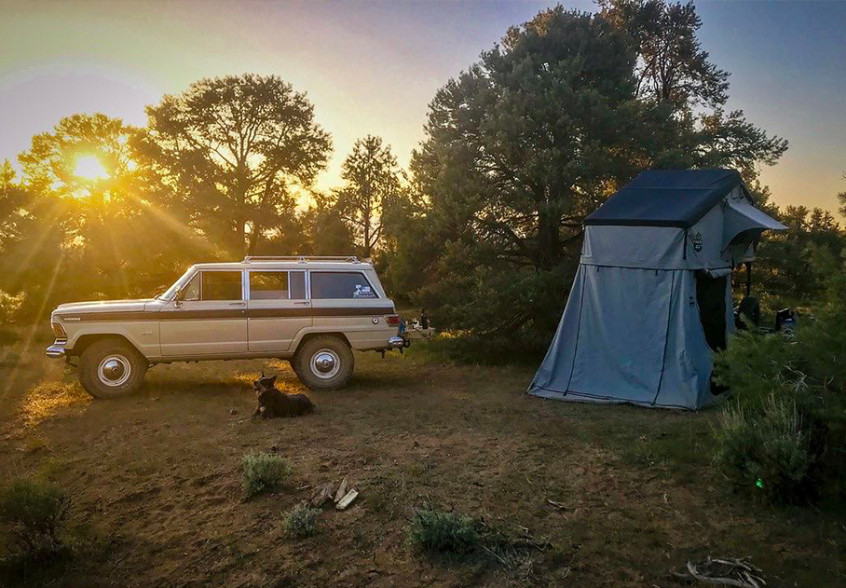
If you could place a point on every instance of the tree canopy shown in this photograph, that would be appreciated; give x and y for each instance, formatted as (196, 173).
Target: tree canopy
(230, 153)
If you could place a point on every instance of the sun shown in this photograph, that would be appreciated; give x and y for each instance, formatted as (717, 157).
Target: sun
(89, 167)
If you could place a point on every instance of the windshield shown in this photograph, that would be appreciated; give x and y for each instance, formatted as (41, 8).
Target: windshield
(171, 292)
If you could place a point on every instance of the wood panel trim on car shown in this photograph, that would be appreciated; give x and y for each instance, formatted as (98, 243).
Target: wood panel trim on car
(227, 313)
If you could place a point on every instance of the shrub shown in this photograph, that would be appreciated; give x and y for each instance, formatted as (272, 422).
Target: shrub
(768, 453)
(301, 521)
(34, 513)
(444, 532)
(787, 421)
(263, 472)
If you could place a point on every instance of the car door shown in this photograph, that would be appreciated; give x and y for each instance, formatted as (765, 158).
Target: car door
(277, 309)
(209, 319)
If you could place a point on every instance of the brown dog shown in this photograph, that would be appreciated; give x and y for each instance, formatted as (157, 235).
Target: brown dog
(273, 403)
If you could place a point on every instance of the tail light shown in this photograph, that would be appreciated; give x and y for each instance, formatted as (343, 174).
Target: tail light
(59, 331)
(393, 320)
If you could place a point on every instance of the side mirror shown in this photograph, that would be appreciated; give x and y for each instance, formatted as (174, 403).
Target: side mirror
(180, 296)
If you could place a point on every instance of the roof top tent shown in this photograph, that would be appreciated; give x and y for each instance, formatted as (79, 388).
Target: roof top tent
(652, 295)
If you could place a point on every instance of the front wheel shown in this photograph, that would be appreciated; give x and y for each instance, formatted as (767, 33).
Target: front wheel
(110, 368)
(324, 363)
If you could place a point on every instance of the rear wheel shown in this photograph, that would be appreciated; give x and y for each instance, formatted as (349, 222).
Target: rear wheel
(110, 368)
(324, 362)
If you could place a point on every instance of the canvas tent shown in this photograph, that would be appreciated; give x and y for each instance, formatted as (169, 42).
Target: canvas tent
(652, 294)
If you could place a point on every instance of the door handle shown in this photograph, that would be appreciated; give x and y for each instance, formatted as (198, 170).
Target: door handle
(302, 302)
(237, 303)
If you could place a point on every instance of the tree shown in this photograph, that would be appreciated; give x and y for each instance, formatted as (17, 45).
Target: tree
(671, 67)
(83, 226)
(228, 155)
(373, 184)
(518, 149)
(675, 73)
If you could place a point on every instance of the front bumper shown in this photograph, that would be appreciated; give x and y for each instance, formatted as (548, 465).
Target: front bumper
(57, 349)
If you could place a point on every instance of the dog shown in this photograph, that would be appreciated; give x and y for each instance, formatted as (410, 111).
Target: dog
(274, 403)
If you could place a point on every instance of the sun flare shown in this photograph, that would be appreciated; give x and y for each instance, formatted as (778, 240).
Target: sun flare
(89, 167)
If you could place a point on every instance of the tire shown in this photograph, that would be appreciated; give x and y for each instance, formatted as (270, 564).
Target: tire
(111, 368)
(324, 362)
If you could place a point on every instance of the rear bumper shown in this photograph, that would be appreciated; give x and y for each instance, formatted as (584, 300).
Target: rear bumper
(398, 343)
(57, 349)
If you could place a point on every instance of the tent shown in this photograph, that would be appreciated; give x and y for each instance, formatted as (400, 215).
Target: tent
(652, 295)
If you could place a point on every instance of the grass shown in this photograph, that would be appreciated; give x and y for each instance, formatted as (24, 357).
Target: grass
(444, 532)
(159, 476)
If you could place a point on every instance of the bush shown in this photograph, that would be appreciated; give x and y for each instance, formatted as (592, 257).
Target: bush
(301, 521)
(34, 513)
(767, 453)
(786, 425)
(444, 532)
(263, 472)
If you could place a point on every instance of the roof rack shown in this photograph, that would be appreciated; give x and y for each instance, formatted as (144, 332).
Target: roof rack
(302, 258)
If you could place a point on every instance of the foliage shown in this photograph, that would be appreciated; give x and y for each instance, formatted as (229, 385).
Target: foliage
(372, 187)
(301, 521)
(769, 453)
(69, 237)
(529, 140)
(229, 153)
(35, 514)
(263, 472)
(795, 265)
(438, 531)
(519, 148)
(788, 418)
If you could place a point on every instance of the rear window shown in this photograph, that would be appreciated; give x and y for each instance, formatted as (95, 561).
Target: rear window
(340, 285)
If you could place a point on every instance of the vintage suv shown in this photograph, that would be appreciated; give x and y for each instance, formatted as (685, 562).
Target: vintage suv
(312, 311)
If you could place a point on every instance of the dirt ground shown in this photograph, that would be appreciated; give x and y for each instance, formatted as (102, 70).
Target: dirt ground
(155, 480)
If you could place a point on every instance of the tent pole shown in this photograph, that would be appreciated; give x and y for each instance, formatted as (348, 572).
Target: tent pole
(748, 278)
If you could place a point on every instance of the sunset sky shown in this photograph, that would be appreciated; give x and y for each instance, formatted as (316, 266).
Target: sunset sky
(373, 67)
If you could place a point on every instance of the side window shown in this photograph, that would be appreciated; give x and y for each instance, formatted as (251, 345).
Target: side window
(298, 286)
(191, 291)
(268, 285)
(340, 285)
(221, 285)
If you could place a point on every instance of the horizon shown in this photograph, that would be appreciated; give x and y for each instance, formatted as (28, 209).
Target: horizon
(369, 70)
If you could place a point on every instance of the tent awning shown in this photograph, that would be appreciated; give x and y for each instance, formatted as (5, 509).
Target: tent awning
(742, 222)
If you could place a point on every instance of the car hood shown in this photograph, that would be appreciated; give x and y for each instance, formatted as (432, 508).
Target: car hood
(101, 306)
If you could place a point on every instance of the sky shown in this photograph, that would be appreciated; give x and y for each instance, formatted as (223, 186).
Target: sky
(373, 67)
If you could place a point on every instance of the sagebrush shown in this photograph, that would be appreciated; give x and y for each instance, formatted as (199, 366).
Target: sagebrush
(785, 429)
(34, 513)
(301, 521)
(263, 472)
(444, 532)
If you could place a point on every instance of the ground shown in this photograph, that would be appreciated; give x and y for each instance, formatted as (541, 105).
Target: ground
(155, 480)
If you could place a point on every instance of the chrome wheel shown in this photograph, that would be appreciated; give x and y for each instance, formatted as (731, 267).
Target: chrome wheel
(325, 364)
(114, 370)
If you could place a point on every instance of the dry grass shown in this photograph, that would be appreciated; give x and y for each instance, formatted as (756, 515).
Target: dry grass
(157, 476)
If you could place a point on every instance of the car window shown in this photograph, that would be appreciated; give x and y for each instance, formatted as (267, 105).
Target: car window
(298, 290)
(191, 291)
(268, 285)
(340, 285)
(221, 286)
